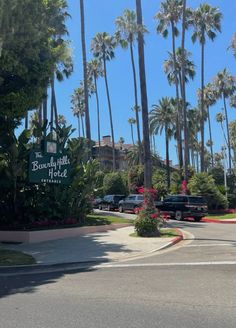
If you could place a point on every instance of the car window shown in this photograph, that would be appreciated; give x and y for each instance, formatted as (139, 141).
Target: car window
(197, 200)
(131, 198)
(181, 199)
(140, 197)
(117, 198)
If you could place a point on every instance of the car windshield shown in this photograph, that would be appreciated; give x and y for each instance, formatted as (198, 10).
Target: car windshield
(197, 200)
(117, 198)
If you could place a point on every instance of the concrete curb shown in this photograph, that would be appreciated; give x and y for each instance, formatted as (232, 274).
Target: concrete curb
(218, 221)
(55, 267)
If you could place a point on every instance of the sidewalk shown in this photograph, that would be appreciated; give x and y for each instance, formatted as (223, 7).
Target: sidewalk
(112, 245)
(226, 221)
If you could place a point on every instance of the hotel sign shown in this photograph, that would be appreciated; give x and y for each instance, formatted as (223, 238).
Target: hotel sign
(49, 168)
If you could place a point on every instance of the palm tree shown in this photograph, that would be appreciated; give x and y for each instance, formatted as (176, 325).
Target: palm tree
(210, 98)
(144, 101)
(168, 17)
(94, 72)
(233, 45)
(121, 142)
(86, 93)
(232, 132)
(169, 67)
(220, 118)
(78, 108)
(132, 121)
(193, 129)
(103, 46)
(127, 29)
(225, 86)
(206, 22)
(161, 118)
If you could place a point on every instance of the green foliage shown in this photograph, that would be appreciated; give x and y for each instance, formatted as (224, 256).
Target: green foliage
(147, 222)
(135, 178)
(175, 186)
(114, 184)
(159, 183)
(204, 185)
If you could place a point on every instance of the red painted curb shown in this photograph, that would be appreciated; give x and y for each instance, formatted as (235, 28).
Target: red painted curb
(218, 221)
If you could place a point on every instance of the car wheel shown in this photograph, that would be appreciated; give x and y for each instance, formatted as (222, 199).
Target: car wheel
(136, 210)
(197, 219)
(121, 209)
(178, 215)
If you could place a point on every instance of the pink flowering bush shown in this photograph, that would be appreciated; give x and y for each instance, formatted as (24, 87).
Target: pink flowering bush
(148, 220)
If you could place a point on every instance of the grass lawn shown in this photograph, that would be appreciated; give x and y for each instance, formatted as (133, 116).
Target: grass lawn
(165, 233)
(96, 219)
(8, 257)
(221, 217)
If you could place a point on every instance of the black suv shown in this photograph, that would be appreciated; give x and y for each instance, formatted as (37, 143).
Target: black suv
(183, 206)
(131, 203)
(110, 202)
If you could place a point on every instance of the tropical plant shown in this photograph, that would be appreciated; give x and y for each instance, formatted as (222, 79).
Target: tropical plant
(103, 46)
(144, 101)
(94, 72)
(168, 17)
(132, 121)
(162, 117)
(127, 32)
(225, 86)
(206, 22)
(114, 184)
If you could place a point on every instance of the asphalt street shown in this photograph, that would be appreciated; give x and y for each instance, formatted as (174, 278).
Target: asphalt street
(190, 285)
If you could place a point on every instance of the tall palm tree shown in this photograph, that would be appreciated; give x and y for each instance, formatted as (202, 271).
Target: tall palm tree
(206, 22)
(144, 101)
(132, 121)
(127, 29)
(86, 93)
(193, 129)
(161, 118)
(168, 17)
(220, 118)
(233, 45)
(210, 98)
(78, 108)
(94, 72)
(103, 46)
(225, 86)
(232, 132)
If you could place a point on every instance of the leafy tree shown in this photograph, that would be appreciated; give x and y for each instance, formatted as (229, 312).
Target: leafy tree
(204, 185)
(135, 178)
(114, 184)
(159, 183)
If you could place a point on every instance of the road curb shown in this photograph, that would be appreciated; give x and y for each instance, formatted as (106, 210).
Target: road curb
(218, 221)
(80, 265)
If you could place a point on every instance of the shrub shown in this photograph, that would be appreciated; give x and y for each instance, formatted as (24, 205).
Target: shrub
(204, 185)
(160, 183)
(147, 222)
(114, 184)
(135, 178)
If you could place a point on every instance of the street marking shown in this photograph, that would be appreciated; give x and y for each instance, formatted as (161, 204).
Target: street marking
(207, 245)
(164, 264)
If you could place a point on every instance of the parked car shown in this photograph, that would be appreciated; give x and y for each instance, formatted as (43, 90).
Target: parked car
(131, 203)
(183, 206)
(96, 202)
(110, 202)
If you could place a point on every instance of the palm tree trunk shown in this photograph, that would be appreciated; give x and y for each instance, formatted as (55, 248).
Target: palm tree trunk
(79, 133)
(54, 100)
(110, 114)
(87, 118)
(228, 136)
(52, 109)
(98, 117)
(82, 123)
(178, 126)
(167, 157)
(202, 111)
(186, 147)
(136, 103)
(210, 135)
(132, 133)
(45, 109)
(144, 101)
(154, 144)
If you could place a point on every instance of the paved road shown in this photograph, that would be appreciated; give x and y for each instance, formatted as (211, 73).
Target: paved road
(191, 285)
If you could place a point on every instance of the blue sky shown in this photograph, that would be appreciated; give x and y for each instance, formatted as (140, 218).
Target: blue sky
(100, 16)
